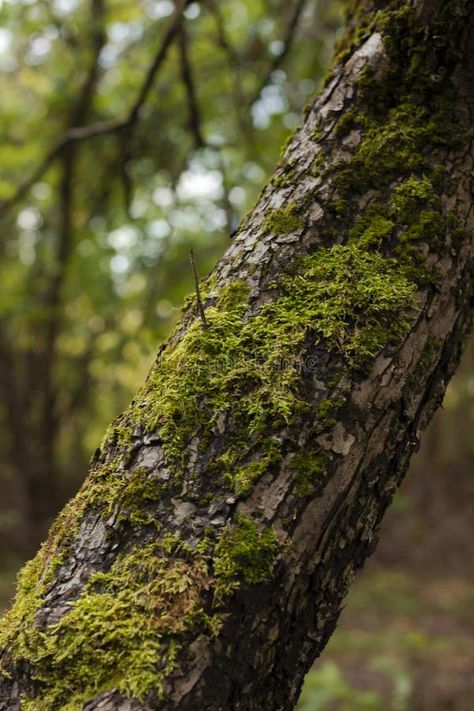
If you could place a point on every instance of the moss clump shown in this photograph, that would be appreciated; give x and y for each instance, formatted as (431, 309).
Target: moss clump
(35, 579)
(388, 149)
(430, 227)
(317, 166)
(19, 618)
(346, 123)
(247, 370)
(337, 207)
(412, 215)
(373, 228)
(243, 553)
(326, 411)
(411, 196)
(282, 221)
(247, 475)
(242, 477)
(356, 299)
(138, 490)
(360, 23)
(287, 178)
(121, 633)
(310, 468)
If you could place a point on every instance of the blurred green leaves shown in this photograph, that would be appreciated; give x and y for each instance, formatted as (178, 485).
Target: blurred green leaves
(181, 122)
(326, 687)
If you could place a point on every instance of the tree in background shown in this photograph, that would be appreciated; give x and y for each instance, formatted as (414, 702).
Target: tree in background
(131, 132)
(322, 301)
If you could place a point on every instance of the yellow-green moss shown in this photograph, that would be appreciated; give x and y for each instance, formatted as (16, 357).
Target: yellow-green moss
(411, 195)
(373, 227)
(242, 477)
(247, 370)
(346, 123)
(123, 632)
(327, 410)
(138, 490)
(243, 553)
(309, 467)
(282, 220)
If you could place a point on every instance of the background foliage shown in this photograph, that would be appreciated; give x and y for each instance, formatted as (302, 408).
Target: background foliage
(133, 131)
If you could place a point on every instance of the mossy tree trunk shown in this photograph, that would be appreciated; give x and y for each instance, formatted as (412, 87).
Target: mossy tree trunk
(204, 562)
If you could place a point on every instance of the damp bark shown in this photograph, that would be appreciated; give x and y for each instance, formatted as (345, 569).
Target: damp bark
(204, 562)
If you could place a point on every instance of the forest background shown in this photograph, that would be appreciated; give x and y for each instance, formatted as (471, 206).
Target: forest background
(129, 138)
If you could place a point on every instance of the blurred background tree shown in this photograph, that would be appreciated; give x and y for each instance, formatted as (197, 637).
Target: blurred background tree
(132, 132)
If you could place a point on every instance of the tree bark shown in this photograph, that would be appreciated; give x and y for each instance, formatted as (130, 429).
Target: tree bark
(205, 560)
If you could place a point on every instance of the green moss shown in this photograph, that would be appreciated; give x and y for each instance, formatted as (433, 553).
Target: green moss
(287, 177)
(346, 123)
(286, 145)
(310, 468)
(243, 553)
(317, 165)
(282, 220)
(122, 632)
(430, 227)
(138, 490)
(30, 590)
(243, 477)
(387, 149)
(326, 411)
(361, 20)
(412, 195)
(356, 299)
(372, 228)
(414, 214)
(337, 206)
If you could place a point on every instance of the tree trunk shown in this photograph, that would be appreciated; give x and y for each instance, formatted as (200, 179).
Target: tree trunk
(204, 562)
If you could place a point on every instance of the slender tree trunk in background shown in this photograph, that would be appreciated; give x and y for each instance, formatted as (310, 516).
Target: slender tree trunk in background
(204, 562)
(28, 385)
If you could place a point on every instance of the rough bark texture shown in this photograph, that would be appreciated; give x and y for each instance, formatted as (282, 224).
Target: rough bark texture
(204, 562)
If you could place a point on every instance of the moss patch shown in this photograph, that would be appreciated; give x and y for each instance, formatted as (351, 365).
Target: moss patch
(121, 633)
(309, 467)
(243, 553)
(282, 221)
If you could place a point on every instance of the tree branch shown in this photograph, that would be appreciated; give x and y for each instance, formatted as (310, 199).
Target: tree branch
(194, 112)
(101, 128)
(291, 28)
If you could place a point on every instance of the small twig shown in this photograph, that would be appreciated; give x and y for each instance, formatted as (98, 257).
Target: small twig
(205, 323)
